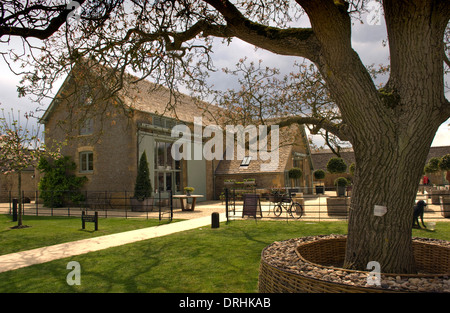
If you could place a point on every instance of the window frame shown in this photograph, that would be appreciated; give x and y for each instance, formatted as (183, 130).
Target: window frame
(86, 159)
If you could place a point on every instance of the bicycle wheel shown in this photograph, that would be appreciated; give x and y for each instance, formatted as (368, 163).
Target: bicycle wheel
(277, 210)
(296, 210)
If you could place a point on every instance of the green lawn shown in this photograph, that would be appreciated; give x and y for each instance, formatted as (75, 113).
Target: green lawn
(50, 230)
(200, 260)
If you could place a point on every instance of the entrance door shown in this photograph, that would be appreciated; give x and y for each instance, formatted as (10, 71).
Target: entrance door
(167, 170)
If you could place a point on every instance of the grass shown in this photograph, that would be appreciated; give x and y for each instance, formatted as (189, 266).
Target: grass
(50, 230)
(222, 260)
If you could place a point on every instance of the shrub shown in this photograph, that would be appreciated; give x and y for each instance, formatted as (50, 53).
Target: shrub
(432, 166)
(336, 165)
(319, 174)
(59, 184)
(341, 181)
(444, 163)
(143, 186)
(352, 168)
(295, 173)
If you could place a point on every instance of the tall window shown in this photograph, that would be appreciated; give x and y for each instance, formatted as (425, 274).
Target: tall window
(86, 162)
(167, 170)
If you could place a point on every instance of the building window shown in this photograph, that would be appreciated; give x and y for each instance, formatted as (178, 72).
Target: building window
(246, 161)
(163, 122)
(167, 169)
(87, 128)
(86, 162)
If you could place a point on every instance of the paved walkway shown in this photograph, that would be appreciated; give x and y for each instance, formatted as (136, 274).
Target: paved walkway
(17, 260)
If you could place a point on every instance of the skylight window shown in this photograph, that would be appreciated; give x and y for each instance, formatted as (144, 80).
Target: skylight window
(246, 161)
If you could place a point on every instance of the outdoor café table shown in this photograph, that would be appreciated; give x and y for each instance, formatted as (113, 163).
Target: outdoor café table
(182, 197)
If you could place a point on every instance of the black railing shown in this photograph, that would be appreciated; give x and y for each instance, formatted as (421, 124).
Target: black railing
(106, 203)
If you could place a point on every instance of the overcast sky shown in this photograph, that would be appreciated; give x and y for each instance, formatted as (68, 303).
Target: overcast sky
(367, 41)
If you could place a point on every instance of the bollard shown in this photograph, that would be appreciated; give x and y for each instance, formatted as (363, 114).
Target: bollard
(14, 209)
(215, 220)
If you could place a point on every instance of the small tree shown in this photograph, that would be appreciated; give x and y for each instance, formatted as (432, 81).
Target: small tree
(143, 187)
(319, 174)
(21, 148)
(336, 165)
(295, 173)
(444, 164)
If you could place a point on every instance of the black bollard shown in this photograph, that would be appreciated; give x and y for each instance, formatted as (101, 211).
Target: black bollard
(215, 220)
(14, 209)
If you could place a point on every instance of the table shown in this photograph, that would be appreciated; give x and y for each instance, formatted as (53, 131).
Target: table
(183, 197)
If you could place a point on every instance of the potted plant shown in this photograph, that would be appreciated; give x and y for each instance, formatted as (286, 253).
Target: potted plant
(336, 166)
(188, 190)
(341, 183)
(294, 173)
(143, 188)
(229, 182)
(338, 205)
(319, 175)
(444, 164)
(249, 181)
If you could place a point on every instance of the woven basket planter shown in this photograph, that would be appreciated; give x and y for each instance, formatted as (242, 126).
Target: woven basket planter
(430, 258)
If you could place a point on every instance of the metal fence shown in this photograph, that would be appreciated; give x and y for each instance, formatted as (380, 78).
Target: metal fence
(106, 203)
(316, 206)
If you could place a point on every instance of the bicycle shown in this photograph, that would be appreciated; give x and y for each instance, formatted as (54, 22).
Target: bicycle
(295, 209)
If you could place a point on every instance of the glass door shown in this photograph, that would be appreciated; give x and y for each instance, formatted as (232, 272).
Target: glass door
(167, 170)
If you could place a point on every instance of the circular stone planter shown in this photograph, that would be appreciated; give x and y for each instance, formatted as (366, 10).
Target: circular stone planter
(308, 265)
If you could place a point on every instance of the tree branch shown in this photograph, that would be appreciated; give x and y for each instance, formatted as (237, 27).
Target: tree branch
(291, 41)
(32, 31)
(340, 130)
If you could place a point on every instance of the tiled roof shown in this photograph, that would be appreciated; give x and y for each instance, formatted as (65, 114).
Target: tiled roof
(288, 136)
(142, 95)
(320, 159)
(156, 99)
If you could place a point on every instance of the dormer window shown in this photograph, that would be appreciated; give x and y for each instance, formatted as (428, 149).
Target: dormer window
(246, 161)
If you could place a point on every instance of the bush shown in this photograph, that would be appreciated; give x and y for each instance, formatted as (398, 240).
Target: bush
(143, 186)
(432, 166)
(336, 165)
(352, 168)
(341, 181)
(59, 184)
(444, 163)
(295, 173)
(319, 174)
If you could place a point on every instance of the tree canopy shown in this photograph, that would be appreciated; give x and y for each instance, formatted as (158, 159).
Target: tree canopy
(170, 42)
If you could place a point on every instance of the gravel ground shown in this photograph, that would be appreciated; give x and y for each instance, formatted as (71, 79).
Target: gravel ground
(282, 255)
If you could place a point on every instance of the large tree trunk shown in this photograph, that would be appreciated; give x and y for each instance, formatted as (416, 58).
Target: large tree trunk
(386, 175)
(391, 130)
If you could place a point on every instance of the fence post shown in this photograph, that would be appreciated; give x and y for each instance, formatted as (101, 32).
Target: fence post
(226, 203)
(36, 201)
(171, 206)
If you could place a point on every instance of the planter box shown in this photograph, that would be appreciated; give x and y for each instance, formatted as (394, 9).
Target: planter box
(141, 205)
(340, 191)
(338, 206)
(320, 190)
(436, 193)
(445, 205)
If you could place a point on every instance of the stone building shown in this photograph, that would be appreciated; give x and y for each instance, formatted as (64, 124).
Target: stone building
(106, 135)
